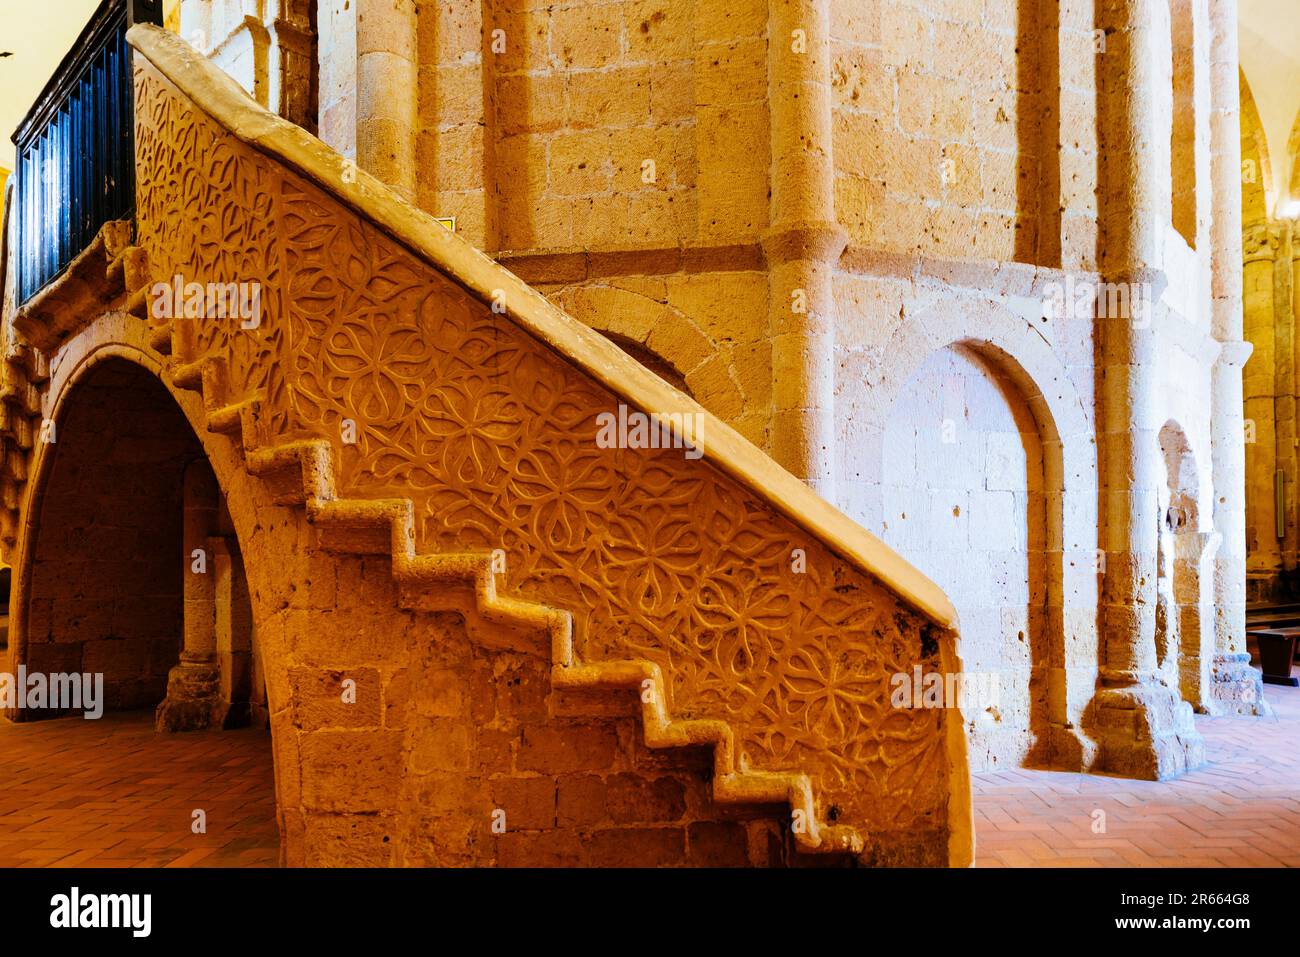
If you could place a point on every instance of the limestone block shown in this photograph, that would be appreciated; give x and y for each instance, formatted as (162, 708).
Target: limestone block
(657, 31)
(731, 73)
(589, 37)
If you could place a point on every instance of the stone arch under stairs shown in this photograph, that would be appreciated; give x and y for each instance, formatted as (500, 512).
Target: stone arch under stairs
(117, 339)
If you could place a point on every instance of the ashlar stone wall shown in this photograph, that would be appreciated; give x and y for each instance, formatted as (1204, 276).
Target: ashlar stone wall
(795, 204)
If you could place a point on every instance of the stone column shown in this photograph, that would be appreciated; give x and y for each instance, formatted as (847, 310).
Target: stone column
(1195, 554)
(193, 685)
(1286, 411)
(1234, 687)
(456, 140)
(1263, 547)
(803, 242)
(1143, 726)
(336, 92)
(1284, 402)
(387, 91)
(233, 632)
(270, 55)
(291, 72)
(1237, 688)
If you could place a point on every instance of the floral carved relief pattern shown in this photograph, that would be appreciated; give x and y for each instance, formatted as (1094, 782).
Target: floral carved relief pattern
(492, 436)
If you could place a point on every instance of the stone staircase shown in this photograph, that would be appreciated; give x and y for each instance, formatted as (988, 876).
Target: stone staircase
(305, 473)
(745, 613)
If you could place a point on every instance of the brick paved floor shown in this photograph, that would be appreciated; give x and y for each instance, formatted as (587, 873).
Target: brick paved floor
(1241, 810)
(113, 793)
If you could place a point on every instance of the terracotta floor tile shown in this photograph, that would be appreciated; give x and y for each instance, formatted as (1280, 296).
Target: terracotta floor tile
(1240, 810)
(114, 793)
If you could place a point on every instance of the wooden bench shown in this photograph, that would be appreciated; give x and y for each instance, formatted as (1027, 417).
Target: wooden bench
(1276, 652)
(1283, 619)
(1273, 620)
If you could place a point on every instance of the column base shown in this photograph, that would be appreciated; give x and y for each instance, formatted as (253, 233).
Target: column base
(1236, 687)
(1069, 749)
(229, 715)
(193, 701)
(1146, 731)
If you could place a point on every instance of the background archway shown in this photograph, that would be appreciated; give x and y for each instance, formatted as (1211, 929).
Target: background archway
(100, 578)
(965, 470)
(105, 586)
(105, 581)
(1184, 613)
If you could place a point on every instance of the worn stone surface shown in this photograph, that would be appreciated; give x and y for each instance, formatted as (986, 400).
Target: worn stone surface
(842, 229)
(403, 437)
(916, 176)
(429, 701)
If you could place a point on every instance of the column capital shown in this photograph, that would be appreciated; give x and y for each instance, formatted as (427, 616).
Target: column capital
(1234, 353)
(1259, 242)
(820, 241)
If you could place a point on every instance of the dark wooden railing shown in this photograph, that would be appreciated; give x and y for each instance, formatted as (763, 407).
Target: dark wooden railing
(76, 147)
